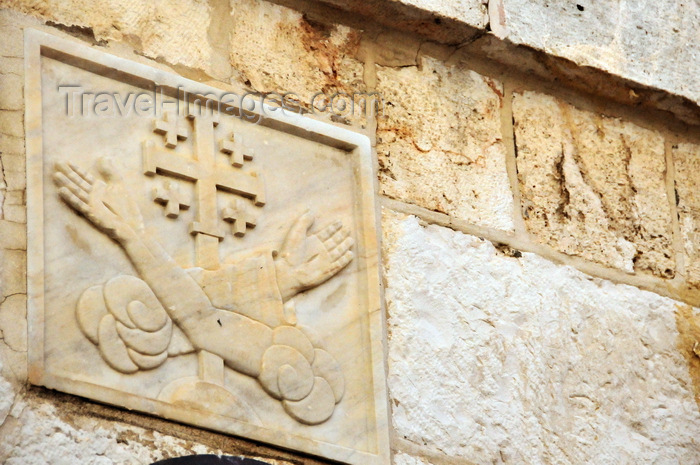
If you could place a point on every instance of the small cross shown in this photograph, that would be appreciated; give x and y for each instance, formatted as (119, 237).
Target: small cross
(170, 129)
(236, 214)
(171, 198)
(236, 149)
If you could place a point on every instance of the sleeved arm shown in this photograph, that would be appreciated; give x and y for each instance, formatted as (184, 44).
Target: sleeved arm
(246, 284)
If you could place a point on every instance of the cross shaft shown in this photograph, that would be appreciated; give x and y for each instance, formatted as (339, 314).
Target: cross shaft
(208, 177)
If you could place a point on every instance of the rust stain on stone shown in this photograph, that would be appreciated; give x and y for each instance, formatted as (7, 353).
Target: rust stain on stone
(497, 90)
(317, 39)
(688, 325)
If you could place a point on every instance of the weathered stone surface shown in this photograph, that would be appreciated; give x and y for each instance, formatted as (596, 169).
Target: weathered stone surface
(439, 142)
(593, 186)
(34, 431)
(13, 235)
(11, 82)
(11, 96)
(12, 145)
(472, 12)
(11, 120)
(36, 434)
(13, 322)
(7, 395)
(13, 275)
(390, 48)
(453, 22)
(511, 378)
(405, 459)
(175, 31)
(12, 45)
(654, 42)
(686, 160)
(526, 361)
(14, 175)
(276, 49)
(12, 158)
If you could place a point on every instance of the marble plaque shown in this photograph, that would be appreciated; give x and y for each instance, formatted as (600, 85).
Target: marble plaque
(202, 259)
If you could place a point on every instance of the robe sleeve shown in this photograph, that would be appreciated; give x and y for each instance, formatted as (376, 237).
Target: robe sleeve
(246, 284)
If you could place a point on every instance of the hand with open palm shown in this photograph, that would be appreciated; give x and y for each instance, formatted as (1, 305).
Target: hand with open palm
(103, 200)
(307, 259)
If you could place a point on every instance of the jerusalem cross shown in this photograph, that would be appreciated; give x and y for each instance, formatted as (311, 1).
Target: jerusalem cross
(208, 177)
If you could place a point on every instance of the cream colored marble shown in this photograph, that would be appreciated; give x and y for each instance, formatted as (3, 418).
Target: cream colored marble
(210, 267)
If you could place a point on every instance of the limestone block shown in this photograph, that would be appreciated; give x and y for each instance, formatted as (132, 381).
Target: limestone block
(16, 213)
(14, 198)
(176, 31)
(13, 321)
(13, 275)
(6, 397)
(11, 95)
(11, 64)
(10, 144)
(13, 235)
(37, 433)
(276, 49)
(439, 142)
(654, 42)
(495, 359)
(472, 12)
(686, 160)
(11, 22)
(405, 459)
(11, 122)
(13, 173)
(593, 186)
(14, 162)
(390, 48)
(13, 343)
(453, 22)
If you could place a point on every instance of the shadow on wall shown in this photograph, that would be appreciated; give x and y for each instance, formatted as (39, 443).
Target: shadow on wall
(209, 460)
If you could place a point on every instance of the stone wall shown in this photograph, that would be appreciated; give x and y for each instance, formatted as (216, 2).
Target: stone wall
(541, 242)
(608, 47)
(495, 358)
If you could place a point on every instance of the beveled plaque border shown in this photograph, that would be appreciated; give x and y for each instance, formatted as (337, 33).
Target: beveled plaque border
(40, 44)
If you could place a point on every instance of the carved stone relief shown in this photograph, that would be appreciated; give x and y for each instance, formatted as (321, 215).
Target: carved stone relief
(199, 264)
